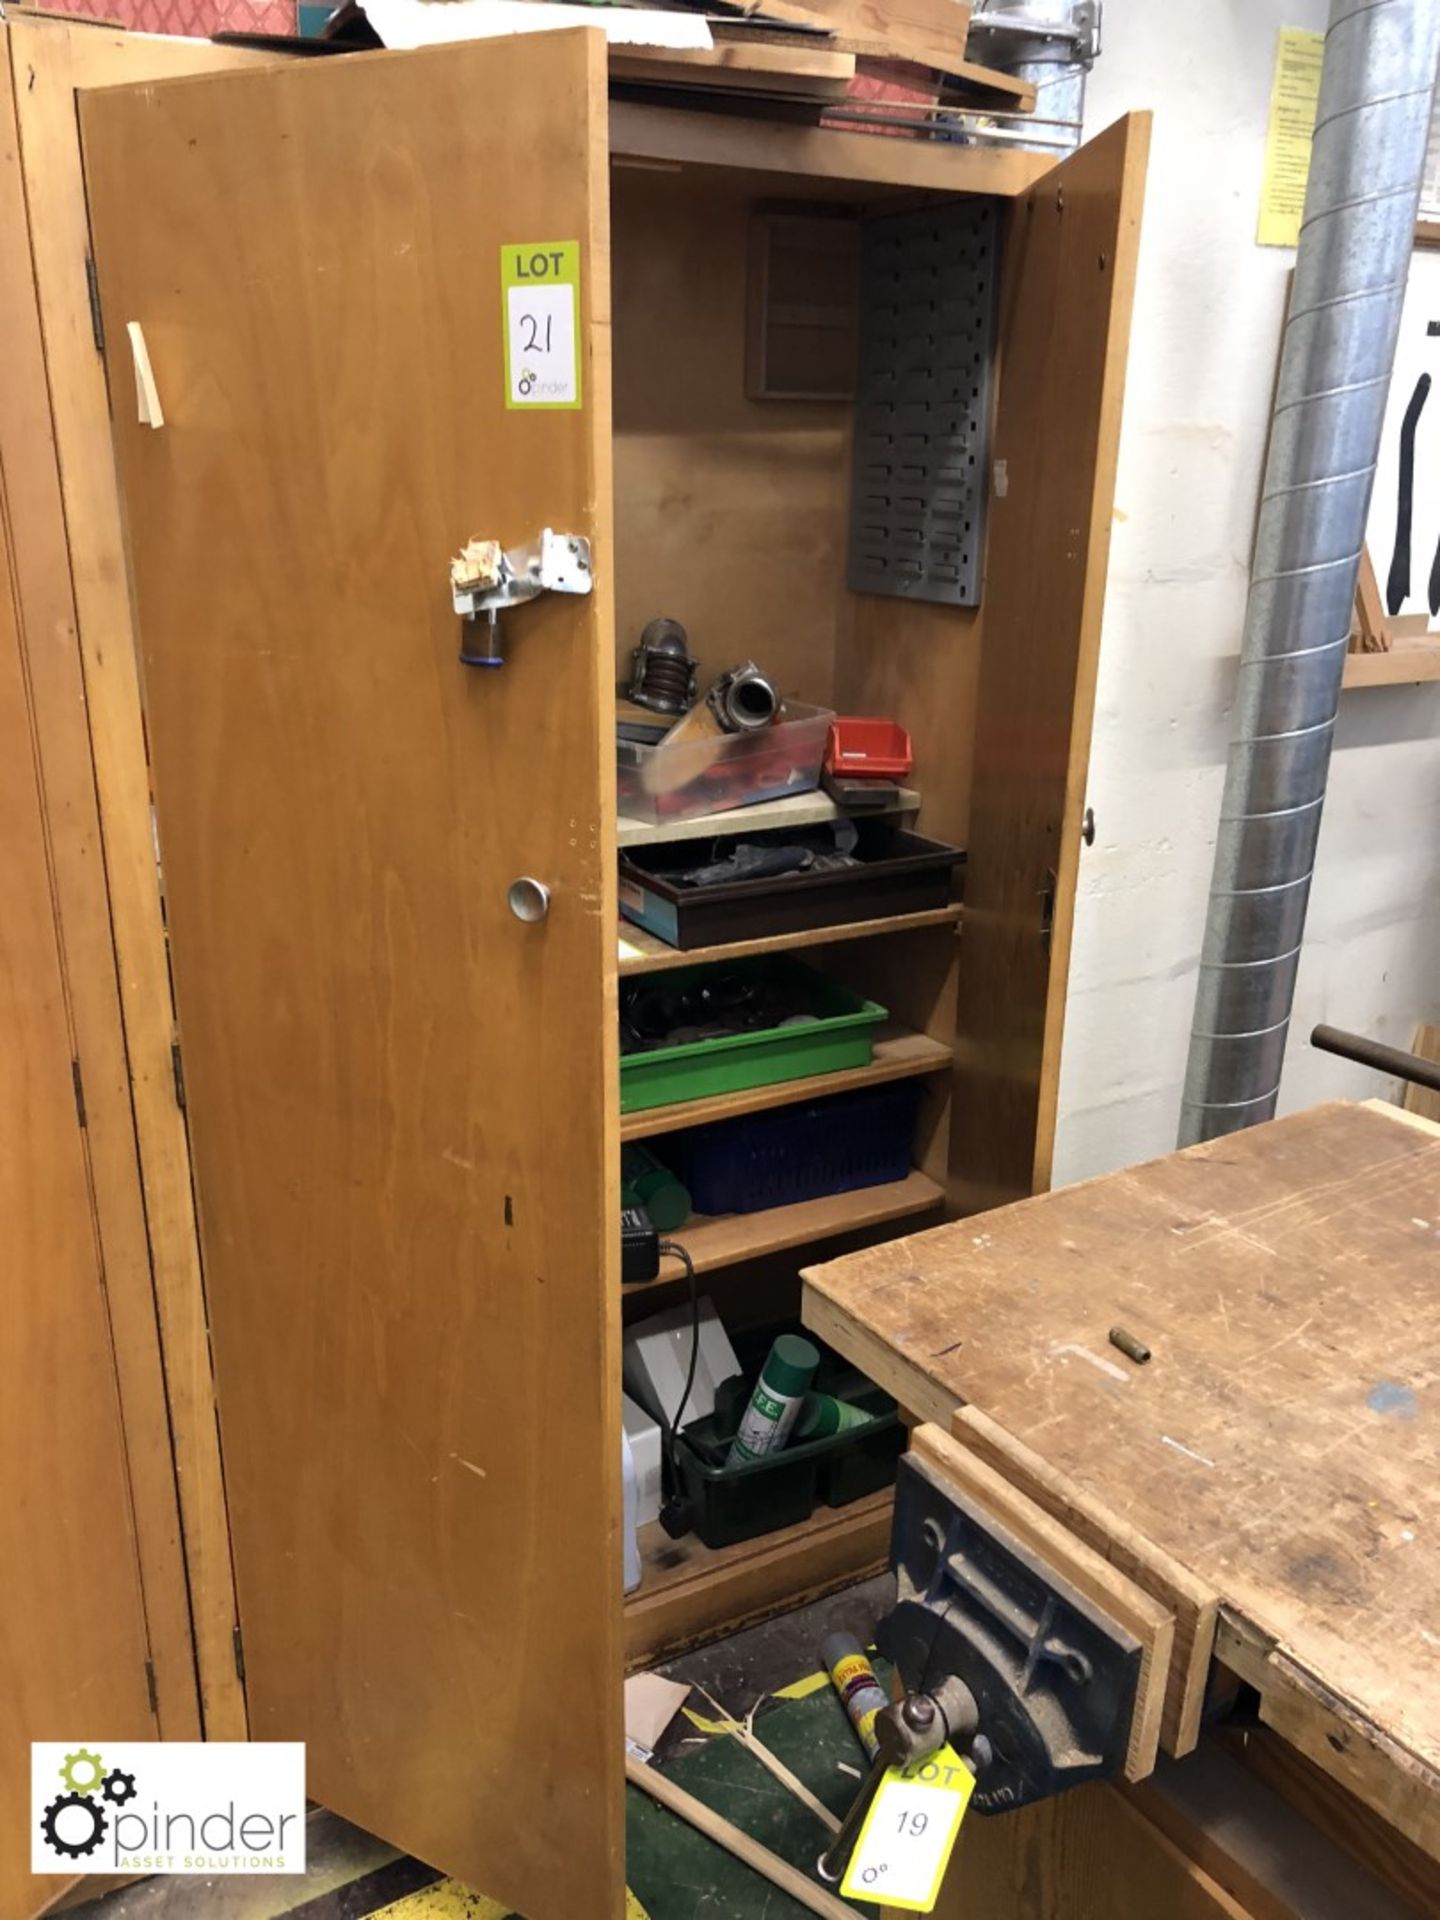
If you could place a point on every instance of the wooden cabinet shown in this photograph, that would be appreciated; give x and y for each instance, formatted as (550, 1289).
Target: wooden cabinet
(403, 1100)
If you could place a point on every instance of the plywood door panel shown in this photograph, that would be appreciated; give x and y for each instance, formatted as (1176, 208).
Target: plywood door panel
(74, 1647)
(45, 614)
(50, 58)
(401, 1097)
(1068, 285)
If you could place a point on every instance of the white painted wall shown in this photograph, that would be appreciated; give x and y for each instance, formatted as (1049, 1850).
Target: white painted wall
(1202, 360)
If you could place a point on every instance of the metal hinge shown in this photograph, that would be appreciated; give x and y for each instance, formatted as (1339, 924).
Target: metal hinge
(178, 1070)
(239, 1646)
(151, 1688)
(92, 287)
(79, 1085)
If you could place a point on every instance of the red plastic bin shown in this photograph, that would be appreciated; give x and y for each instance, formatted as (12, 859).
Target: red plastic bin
(877, 749)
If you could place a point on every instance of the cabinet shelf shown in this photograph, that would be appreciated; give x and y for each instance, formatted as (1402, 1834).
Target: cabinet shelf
(641, 952)
(724, 1242)
(689, 1591)
(899, 1055)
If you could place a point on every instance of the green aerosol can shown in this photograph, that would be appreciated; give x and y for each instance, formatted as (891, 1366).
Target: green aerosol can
(775, 1404)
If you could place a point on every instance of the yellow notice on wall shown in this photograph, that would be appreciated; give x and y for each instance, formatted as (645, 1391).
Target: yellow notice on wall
(1294, 95)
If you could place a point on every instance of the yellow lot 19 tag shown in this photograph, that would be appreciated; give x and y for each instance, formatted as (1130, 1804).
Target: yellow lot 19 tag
(909, 1833)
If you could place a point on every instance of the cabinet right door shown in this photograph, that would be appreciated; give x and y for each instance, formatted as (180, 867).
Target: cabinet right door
(1067, 295)
(373, 295)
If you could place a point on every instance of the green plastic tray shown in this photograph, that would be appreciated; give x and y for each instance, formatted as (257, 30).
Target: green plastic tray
(844, 1036)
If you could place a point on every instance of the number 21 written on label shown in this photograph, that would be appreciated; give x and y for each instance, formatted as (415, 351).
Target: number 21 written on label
(540, 281)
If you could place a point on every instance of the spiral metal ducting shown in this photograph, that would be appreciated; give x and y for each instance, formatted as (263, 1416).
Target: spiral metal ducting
(1356, 239)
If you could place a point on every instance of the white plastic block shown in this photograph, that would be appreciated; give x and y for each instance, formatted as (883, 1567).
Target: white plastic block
(643, 1433)
(657, 1358)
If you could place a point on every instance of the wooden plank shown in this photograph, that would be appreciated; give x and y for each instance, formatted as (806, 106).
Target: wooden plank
(1374, 630)
(75, 1632)
(822, 72)
(817, 154)
(908, 29)
(1191, 1604)
(408, 1231)
(1087, 1571)
(897, 1056)
(971, 84)
(800, 810)
(798, 1887)
(1086, 1855)
(55, 57)
(690, 1592)
(1280, 1445)
(1407, 661)
(1199, 1840)
(1261, 1850)
(29, 477)
(1303, 1708)
(724, 1242)
(1067, 294)
(643, 952)
(1411, 1875)
(1424, 1102)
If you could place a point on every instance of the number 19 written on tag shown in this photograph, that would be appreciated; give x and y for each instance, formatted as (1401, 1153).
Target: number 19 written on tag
(905, 1844)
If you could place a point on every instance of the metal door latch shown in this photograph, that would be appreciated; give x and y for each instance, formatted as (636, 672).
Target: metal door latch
(485, 580)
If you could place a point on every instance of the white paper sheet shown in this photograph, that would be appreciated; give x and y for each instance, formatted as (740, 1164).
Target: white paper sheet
(430, 23)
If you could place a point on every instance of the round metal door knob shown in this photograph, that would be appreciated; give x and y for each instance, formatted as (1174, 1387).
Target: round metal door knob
(528, 899)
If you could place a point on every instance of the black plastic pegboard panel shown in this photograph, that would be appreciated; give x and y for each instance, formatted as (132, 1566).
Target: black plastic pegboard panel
(922, 411)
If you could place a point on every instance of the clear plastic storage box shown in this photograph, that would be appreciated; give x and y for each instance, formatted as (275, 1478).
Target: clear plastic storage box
(715, 775)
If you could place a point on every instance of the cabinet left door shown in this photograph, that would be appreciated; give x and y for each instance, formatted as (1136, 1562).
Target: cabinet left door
(401, 1091)
(73, 1646)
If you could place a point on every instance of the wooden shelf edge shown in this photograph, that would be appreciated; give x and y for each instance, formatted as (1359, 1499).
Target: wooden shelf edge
(1407, 663)
(650, 955)
(796, 810)
(899, 1055)
(753, 145)
(713, 1244)
(691, 1592)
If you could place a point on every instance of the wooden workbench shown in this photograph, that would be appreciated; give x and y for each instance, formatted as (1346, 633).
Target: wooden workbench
(1273, 1471)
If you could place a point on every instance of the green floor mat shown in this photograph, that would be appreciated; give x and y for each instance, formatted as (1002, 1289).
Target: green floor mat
(680, 1875)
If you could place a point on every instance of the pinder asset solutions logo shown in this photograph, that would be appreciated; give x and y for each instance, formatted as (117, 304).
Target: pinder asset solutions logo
(168, 1807)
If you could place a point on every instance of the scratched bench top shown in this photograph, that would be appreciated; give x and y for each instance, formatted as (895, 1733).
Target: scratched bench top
(1282, 1443)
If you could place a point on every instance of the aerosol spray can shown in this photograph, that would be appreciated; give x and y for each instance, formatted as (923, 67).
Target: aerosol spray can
(854, 1680)
(822, 1415)
(765, 1424)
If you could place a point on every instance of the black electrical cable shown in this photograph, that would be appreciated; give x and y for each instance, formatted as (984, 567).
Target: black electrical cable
(675, 1514)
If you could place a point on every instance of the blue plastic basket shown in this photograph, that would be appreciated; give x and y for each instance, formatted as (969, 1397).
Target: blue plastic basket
(789, 1154)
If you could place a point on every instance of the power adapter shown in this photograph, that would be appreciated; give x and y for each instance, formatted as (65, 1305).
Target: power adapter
(639, 1246)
